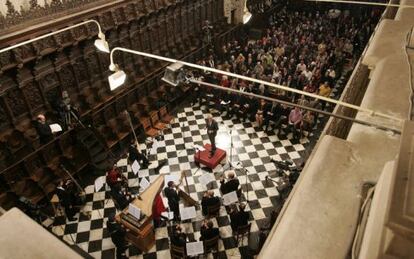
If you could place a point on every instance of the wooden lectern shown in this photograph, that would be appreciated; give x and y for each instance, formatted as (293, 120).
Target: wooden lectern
(141, 231)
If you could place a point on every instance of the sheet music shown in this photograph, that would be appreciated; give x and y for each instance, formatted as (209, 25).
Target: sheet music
(135, 167)
(134, 211)
(168, 214)
(99, 183)
(187, 213)
(171, 177)
(195, 248)
(198, 147)
(55, 127)
(230, 198)
(206, 178)
(144, 183)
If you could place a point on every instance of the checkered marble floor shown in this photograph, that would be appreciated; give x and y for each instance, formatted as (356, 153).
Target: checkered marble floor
(252, 150)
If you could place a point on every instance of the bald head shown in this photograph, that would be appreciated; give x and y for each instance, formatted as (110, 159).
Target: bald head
(41, 118)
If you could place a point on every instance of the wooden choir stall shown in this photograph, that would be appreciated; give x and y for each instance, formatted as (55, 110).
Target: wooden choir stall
(141, 231)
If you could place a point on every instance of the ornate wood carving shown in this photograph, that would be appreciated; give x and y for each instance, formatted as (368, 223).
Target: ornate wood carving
(15, 100)
(33, 96)
(24, 53)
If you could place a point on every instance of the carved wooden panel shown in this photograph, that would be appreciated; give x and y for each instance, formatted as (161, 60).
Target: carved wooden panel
(34, 163)
(184, 21)
(130, 12)
(81, 72)
(153, 30)
(93, 65)
(170, 35)
(67, 78)
(149, 5)
(64, 39)
(34, 96)
(198, 23)
(162, 31)
(119, 16)
(45, 46)
(4, 119)
(177, 23)
(144, 35)
(7, 60)
(80, 33)
(190, 18)
(107, 21)
(24, 53)
(15, 100)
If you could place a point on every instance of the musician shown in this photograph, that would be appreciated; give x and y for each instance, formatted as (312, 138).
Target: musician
(121, 198)
(134, 154)
(66, 200)
(117, 233)
(239, 218)
(231, 185)
(43, 129)
(212, 128)
(114, 178)
(208, 231)
(178, 237)
(173, 199)
(209, 200)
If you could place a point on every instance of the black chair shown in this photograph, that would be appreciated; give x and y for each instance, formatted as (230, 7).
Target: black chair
(213, 211)
(177, 252)
(211, 245)
(241, 232)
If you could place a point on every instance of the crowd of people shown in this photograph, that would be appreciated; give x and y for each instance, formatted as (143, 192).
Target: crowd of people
(303, 50)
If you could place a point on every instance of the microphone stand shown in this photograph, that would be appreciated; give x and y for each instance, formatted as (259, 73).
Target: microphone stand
(245, 184)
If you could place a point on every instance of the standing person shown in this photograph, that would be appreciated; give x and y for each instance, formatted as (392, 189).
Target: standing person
(134, 154)
(212, 128)
(65, 199)
(295, 121)
(118, 234)
(173, 199)
(325, 91)
(43, 129)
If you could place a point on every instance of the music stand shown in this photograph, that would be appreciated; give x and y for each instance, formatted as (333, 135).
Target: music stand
(231, 148)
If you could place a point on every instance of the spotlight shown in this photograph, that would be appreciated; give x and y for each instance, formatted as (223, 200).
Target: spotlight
(101, 43)
(173, 74)
(246, 14)
(117, 78)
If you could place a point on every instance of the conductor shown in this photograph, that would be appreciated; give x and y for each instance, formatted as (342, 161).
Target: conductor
(212, 128)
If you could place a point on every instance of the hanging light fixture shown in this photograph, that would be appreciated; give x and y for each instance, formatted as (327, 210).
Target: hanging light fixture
(117, 78)
(100, 43)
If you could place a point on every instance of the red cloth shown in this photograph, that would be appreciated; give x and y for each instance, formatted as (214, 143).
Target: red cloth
(158, 207)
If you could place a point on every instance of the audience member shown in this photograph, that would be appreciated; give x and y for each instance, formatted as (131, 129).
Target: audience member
(295, 121)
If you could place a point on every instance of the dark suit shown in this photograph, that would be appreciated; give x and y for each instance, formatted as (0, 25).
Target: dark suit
(44, 131)
(118, 237)
(238, 219)
(65, 199)
(208, 202)
(173, 200)
(229, 186)
(120, 199)
(208, 233)
(134, 154)
(212, 129)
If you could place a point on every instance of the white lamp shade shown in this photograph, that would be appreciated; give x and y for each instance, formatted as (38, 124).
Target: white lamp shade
(246, 17)
(102, 45)
(116, 79)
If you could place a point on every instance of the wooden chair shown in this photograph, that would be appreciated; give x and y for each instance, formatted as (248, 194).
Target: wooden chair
(149, 130)
(213, 211)
(165, 117)
(177, 252)
(211, 244)
(155, 121)
(241, 232)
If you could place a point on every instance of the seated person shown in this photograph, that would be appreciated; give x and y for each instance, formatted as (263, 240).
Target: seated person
(239, 218)
(178, 238)
(259, 114)
(208, 231)
(209, 200)
(121, 199)
(115, 178)
(134, 154)
(307, 122)
(231, 185)
(43, 129)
